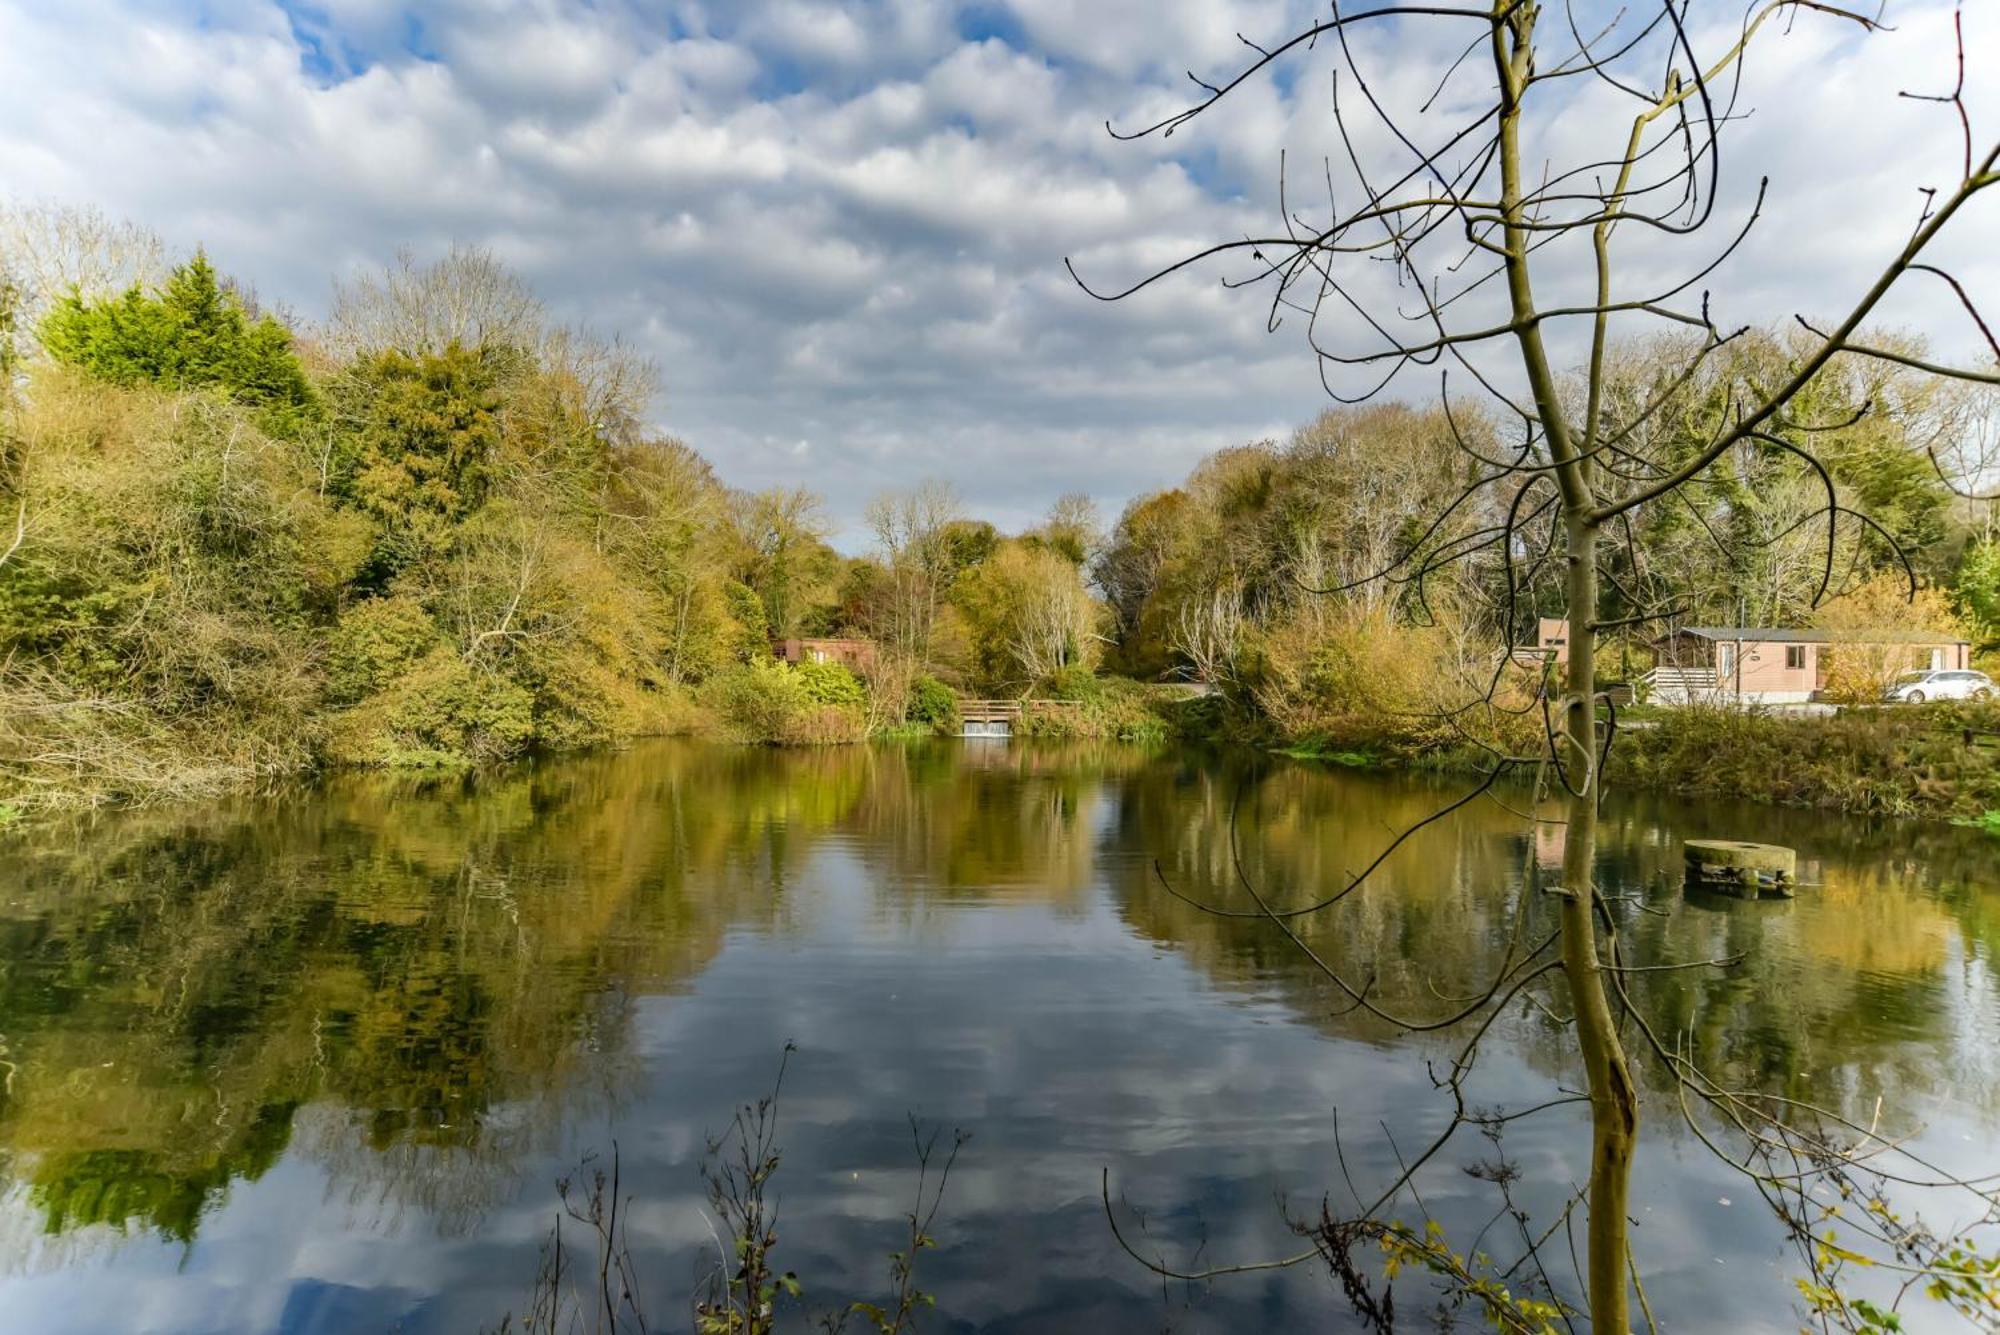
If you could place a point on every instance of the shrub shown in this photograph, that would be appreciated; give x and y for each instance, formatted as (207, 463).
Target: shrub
(1105, 709)
(823, 725)
(931, 703)
(1368, 682)
(830, 684)
(767, 701)
(444, 711)
(1074, 683)
(158, 627)
(1904, 761)
(758, 698)
(376, 641)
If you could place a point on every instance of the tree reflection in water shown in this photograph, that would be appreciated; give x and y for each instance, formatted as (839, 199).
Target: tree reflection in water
(424, 988)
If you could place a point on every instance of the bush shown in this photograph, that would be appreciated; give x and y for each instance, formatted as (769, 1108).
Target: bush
(767, 701)
(1102, 709)
(831, 684)
(1369, 683)
(823, 725)
(932, 703)
(1074, 683)
(158, 627)
(444, 711)
(1901, 761)
(757, 698)
(375, 642)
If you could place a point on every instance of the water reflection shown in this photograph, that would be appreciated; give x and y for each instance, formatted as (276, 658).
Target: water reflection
(370, 1023)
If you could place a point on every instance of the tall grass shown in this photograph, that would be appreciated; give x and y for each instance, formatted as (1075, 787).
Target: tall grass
(1903, 761)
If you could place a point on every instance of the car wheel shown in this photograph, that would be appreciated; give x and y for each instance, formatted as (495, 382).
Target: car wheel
(1915, 697)
(1982, 694)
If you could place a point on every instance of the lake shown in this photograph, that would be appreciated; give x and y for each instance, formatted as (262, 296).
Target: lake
(314, 1061)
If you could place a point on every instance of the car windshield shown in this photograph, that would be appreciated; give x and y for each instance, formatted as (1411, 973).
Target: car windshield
(1913, 676)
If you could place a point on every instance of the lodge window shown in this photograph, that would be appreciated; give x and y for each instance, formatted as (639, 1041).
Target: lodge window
(1795, 656)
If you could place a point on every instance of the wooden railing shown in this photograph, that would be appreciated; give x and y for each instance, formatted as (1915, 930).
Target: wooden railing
(1680, 679)
(989, 711)
(1007, 711)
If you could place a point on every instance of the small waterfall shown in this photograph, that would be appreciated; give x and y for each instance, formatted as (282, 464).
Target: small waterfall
(987, 728)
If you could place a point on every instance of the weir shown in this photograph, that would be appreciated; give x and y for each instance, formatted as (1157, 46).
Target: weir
(988, 718)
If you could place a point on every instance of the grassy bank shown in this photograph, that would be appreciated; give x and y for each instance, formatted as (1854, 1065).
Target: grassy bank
(1905, 761)
(1911, 761)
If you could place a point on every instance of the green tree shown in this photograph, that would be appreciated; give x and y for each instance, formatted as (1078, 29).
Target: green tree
(419, 454)
(1978, 590)
(1029, 616)
(782, 554)
(193, 333)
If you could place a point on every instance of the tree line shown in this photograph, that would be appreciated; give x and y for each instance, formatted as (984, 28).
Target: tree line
(433, 529)
(1342, 584)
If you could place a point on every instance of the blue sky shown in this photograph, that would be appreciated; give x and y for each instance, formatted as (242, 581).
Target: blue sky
(838, 226)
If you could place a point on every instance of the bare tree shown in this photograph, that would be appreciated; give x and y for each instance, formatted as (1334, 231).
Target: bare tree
(913, 529)
(1477, 226)
(1074, 528)
(52, 250)
(1371, 477)
(1208, 631)
(1967, 455)
(467, 297)
(1052, 621)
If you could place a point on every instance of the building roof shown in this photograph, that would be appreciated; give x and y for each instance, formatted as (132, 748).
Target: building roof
(1778, 635)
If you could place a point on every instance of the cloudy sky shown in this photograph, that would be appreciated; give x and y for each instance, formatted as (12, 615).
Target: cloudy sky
(839, 225)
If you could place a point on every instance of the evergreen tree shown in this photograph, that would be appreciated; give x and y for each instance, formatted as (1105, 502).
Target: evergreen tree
(422, 445)
(192, 333)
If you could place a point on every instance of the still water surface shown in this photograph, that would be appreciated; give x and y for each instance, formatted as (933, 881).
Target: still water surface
(314, 1062)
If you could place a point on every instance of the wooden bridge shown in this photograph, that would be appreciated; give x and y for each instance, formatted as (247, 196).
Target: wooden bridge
(997, 718)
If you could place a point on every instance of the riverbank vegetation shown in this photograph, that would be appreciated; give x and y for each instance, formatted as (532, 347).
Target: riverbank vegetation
(1344, 595)
(433, 531)
(1939, 760)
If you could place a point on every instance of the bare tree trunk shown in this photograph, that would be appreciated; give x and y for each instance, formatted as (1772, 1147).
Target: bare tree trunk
(1614, 1103)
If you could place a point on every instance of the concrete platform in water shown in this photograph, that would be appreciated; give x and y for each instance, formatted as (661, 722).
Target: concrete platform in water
(1735, 867)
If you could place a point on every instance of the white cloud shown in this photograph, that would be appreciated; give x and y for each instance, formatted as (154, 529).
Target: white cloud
(546, 64)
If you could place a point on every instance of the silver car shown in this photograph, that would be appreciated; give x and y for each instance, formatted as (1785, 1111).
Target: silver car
(1913, 688)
